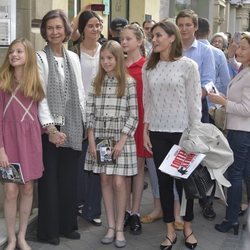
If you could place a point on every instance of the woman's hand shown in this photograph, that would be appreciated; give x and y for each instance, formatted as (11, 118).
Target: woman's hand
(146, 140)
(92, 146)
(217, 99)
(4, 161)
(231, 50)
(57, 138)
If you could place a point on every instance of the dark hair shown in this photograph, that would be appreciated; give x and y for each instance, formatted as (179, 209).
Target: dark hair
(152, 21)
(228, 34)
(84, 17)
(176, 49)
(56, 14)
(203, 28)
(188, 13)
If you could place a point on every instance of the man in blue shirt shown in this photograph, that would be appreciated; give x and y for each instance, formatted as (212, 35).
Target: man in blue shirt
(221, 66)
(187, 21)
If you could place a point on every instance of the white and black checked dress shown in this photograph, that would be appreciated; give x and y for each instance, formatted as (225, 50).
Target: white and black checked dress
(111, 116)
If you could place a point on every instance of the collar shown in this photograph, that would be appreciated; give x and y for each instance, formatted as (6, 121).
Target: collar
(193, 45)
(205, 41)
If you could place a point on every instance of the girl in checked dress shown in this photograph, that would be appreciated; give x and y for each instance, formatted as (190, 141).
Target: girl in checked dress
(112, 113)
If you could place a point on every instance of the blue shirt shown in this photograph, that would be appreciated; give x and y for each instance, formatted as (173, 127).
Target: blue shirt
(221, 68)
(203, 56)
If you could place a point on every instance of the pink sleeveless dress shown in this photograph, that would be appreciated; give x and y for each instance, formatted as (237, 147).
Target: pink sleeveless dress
(20, 133)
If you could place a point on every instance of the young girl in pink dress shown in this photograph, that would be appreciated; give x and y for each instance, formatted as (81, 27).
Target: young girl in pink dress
(20, 134)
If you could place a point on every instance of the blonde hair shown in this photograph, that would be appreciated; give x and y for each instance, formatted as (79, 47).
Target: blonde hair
(31, 84)
(120, 70)
(139, 34)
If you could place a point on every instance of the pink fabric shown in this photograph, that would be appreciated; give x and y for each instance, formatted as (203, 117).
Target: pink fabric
(20, 134)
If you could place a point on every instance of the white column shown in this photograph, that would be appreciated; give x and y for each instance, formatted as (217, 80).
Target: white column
(164, 9)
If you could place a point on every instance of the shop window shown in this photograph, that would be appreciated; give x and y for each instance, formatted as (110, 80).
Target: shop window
(177, 5)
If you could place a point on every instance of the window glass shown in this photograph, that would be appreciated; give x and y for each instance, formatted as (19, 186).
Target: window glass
(177, 5)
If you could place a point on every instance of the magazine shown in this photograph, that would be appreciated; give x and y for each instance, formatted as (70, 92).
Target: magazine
(104, 151)
(12, 173)
(179, 163)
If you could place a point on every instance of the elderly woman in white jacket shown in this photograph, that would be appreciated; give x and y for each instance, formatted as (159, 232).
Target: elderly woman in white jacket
(62, 116)
(237, 104)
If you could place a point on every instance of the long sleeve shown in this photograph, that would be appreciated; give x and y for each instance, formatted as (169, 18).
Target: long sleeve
(207, 71)
(90, 108)
(193, 95)
(202, 54)
(223, 74)
(146, 95)
(44, 114)
(132, 110)
(238, 102)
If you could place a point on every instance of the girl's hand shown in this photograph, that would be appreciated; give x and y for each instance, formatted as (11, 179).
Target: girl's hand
(147, 143)
(217, 99)
(92, 148)
(4, 161)
(146, 140)
(117, 150)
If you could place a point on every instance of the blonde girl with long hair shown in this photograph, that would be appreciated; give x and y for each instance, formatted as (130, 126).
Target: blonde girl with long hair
(112, 113)
(20, 134)
(132, 42)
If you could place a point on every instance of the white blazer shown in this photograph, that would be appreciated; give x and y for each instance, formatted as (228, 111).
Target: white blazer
(238, 102)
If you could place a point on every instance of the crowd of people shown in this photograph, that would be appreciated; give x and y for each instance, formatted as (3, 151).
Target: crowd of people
(139, 89)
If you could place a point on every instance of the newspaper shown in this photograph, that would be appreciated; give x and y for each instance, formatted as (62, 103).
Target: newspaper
(179, 163)
(12, 173)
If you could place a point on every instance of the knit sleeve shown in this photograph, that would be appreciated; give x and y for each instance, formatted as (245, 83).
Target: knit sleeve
(193, 93)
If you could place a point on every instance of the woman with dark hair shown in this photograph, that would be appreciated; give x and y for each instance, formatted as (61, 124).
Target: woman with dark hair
(61, 114)
(172, 102)
(77, 30)
(88, 50)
